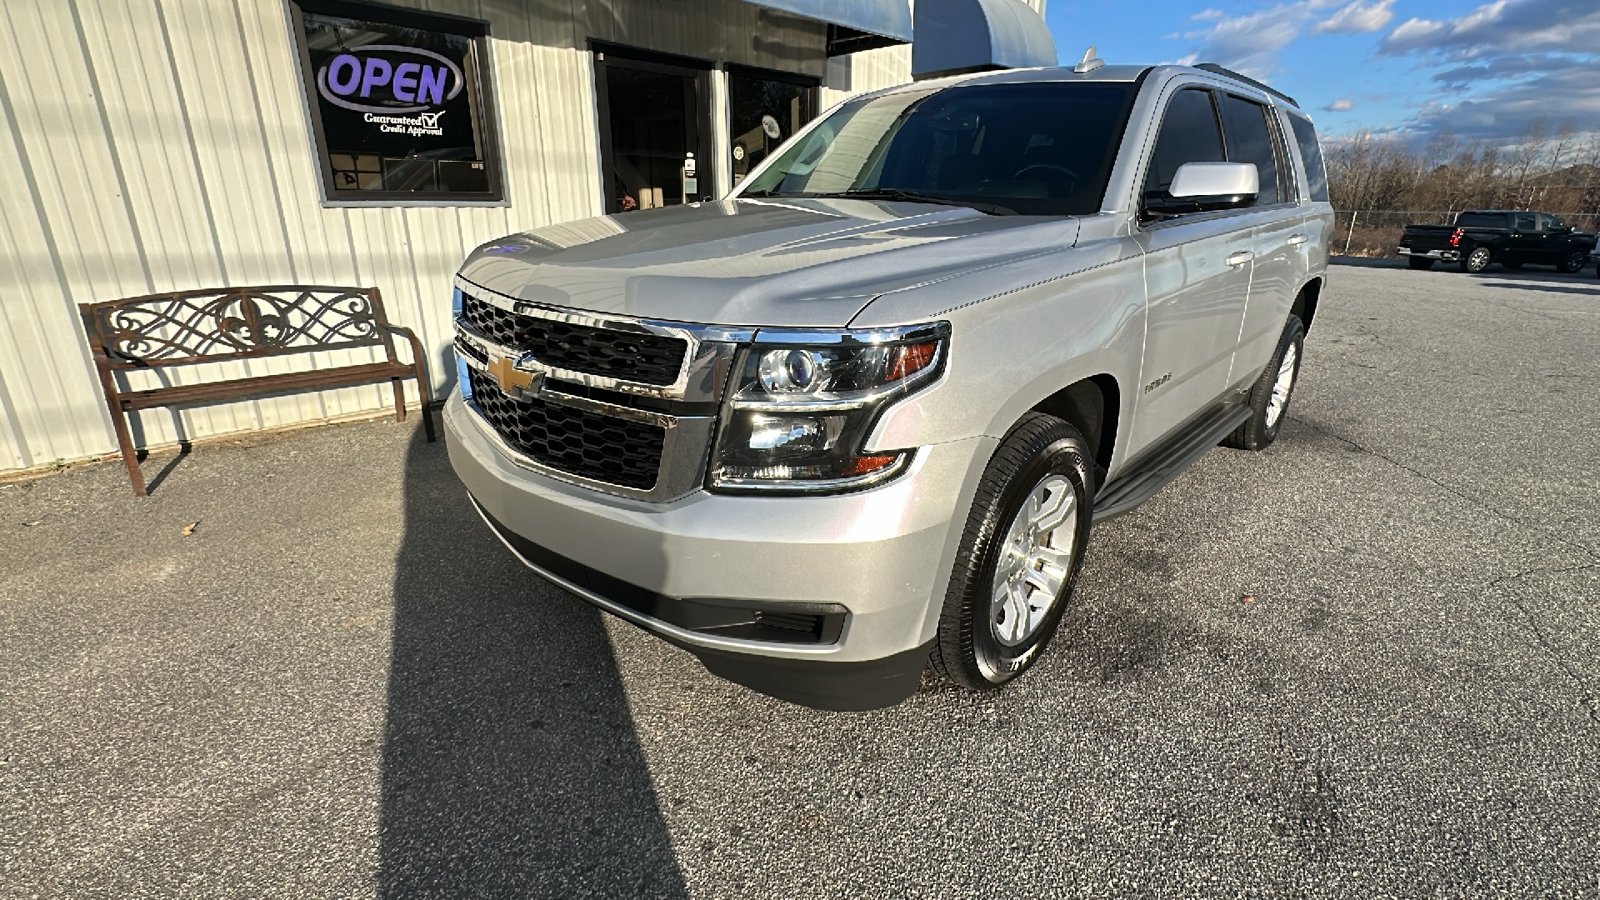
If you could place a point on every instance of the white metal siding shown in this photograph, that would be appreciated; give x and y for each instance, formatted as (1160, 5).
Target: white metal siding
(160, 145)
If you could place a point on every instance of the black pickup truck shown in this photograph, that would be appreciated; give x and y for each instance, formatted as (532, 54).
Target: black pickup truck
(1507, 237)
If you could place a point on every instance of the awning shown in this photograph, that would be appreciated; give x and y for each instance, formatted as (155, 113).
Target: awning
(853, 24)
(955, 36)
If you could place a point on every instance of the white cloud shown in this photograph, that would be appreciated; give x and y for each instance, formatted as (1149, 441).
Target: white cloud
(1504, 66)
(1357, 18)
(1504, 26)
(1343, 104)
(1250, 43)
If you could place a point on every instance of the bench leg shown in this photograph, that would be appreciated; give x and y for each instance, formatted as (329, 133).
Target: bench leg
(119, 423)
(399, 399)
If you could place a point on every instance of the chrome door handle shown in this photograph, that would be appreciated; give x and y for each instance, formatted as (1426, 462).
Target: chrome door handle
(1296, 240)
(1238, 259)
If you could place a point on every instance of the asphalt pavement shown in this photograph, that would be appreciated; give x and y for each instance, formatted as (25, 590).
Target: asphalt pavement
(1361, 663)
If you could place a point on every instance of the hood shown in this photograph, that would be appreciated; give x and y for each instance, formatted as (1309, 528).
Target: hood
(740, 262)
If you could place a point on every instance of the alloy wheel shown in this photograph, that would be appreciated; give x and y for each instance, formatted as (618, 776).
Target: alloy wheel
(1034, 561)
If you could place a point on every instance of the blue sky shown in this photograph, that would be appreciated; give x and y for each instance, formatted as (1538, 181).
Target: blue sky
(1412, 67)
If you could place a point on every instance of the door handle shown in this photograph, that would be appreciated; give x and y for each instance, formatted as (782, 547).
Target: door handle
(1238, 259)
(1296, 240)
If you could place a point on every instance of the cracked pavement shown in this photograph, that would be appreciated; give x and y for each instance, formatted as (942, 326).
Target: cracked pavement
(340, 684)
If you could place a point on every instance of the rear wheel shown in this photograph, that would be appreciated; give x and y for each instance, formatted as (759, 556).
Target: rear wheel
(1573, 262)
(1477, 260)
(1269, 397)
(1420, 262)
(1019, 556)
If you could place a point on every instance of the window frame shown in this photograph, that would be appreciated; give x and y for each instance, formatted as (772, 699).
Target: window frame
(1155, 142)
(730, 71)
(1217, 92)
(1270, 119)
(481, 101)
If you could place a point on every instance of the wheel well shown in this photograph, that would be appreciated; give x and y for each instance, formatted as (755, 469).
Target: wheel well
(1091, 406)
(1305, 305)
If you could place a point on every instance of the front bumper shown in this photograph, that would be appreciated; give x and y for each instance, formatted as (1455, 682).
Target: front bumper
(1446, 255)
(880, 557)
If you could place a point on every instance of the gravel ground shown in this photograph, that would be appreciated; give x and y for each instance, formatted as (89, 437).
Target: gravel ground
(1362, 663)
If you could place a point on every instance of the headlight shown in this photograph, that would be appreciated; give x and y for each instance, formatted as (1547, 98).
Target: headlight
(801, 404)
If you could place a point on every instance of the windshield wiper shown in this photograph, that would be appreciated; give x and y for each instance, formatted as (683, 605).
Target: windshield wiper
(993, 209)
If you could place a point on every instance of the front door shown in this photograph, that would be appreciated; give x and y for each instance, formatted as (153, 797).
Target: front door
(654, 132)
(1197, 274)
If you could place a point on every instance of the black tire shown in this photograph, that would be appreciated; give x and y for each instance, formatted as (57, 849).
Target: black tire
(969, 651)
(1477, 260)
(1420, 262)
(1512, 264)
(1573, 262)
(1261, 429)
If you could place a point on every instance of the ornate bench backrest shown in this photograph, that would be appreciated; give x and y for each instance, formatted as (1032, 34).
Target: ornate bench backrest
(230, 323)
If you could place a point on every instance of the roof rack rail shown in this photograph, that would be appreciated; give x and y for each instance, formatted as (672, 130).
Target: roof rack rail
(1215, 69)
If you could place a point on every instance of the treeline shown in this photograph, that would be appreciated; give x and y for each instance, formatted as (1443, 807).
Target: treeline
(1553, 172)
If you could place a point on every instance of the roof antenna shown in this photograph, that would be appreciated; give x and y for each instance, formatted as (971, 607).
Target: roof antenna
(1089, 63)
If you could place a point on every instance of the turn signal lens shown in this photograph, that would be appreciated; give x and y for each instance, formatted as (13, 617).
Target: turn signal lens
(909, 359)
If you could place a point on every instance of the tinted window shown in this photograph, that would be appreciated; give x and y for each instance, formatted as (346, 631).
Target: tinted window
(1548, 222)
(1038, 149)
(1311, 154)
(1250, 140)
(1189, 133)
(1480, 220)
(1523, 222)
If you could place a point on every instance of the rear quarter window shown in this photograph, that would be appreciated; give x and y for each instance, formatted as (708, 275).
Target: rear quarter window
(1305, 136)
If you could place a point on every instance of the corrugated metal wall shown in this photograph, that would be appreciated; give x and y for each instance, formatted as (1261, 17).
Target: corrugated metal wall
(156, 145)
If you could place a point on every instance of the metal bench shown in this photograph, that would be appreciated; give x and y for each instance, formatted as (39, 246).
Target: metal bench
(190, 328)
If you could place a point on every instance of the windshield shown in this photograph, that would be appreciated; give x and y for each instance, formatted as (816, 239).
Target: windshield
(1039, 149)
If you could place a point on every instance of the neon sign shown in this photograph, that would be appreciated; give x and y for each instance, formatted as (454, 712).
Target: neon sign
(378, 78)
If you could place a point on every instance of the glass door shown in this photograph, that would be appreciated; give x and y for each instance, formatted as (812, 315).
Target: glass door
(764, 110)
(654, 131)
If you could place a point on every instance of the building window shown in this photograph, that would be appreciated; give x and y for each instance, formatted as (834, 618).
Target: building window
(400, 103)
(764, 110)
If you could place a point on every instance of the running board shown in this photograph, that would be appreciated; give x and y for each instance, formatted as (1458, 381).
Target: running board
(1155, 473)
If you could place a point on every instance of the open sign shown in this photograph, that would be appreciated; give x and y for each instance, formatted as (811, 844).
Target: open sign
(389, 78)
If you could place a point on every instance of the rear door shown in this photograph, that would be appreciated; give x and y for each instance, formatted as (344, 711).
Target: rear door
(1524, 242)
(1279, 231)
(1197, 274)
(1553, 240)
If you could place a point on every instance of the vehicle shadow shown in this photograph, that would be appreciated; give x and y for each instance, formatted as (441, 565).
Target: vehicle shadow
(511, 767)
(1592, 290)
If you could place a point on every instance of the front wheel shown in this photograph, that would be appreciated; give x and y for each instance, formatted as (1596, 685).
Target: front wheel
(1420, 262)
(1573, 262)
(1477, 260)
(1269, 397)
(1020, 554)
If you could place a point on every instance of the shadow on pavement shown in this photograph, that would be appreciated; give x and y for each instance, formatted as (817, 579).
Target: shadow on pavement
(1590, 289)
(510, 762)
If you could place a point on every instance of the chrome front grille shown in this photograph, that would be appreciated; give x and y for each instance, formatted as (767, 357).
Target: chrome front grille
(572, 440)
(632, 356)
(624, 406)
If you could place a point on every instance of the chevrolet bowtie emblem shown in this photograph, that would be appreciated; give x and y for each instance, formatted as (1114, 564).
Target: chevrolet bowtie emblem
(517, 382)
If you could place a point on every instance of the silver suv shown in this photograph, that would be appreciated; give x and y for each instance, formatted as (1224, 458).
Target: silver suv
(859, 417)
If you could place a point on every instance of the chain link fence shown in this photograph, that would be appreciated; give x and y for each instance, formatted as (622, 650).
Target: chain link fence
(1370, 232)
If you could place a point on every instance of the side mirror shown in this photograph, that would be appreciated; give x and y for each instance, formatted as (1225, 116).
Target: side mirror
(1206, 187)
